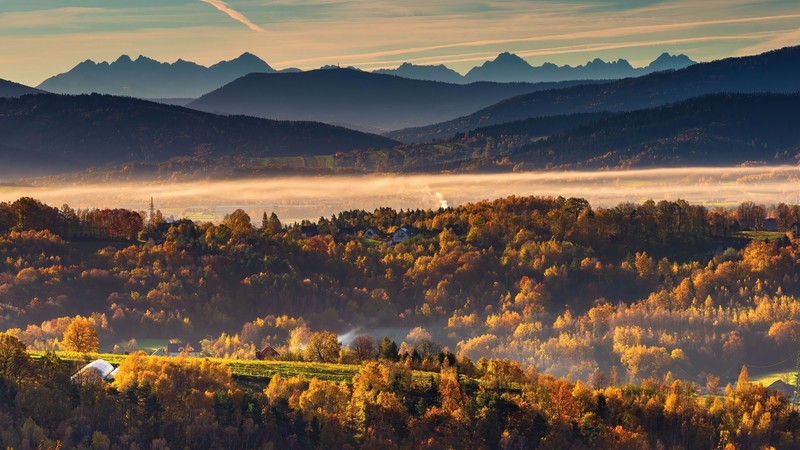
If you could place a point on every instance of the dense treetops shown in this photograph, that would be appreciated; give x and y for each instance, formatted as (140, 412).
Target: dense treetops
(552, 282)
(160, 402)
(603, 296)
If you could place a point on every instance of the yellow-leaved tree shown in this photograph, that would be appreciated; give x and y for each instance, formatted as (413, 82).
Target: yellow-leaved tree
(81, 336)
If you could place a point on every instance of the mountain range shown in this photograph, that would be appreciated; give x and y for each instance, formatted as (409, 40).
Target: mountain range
(730, 111)
(509, 68)
(774, 71)
(356, 99)
(148, 78)
(49, 133)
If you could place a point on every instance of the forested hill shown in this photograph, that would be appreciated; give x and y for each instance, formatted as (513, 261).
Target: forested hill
(720, 129)
(356, 99)
(774, 71)
(94, 130)
(11, 89)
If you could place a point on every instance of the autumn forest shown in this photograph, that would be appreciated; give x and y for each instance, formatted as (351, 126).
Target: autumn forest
(515, 323)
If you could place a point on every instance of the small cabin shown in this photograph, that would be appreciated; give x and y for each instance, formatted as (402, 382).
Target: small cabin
(184, 349)
(373, 233)
(267, 353)
(782, 386)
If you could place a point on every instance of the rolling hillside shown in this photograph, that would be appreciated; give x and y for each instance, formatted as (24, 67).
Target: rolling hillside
(356, 99)
(56, 132)
(721, 129)
(11, 89)
(775, 71)
(718, 129)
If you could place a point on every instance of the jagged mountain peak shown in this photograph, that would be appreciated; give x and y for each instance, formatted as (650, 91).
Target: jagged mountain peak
(146, 77)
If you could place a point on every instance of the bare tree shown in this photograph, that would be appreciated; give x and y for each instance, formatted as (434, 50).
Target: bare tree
(363, 348)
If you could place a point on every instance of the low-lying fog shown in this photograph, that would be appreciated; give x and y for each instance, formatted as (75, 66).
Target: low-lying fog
(296, 198)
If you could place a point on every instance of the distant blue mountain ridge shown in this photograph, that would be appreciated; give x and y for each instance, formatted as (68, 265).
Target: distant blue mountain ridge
(144, 77)
(509, 68)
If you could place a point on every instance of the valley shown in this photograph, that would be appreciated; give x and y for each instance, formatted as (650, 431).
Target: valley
(448, 225)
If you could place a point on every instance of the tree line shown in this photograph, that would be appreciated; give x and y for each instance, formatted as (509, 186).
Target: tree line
(641, 290)
(158, 402)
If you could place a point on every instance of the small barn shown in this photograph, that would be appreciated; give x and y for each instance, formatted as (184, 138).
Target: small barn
(373, 233)
(771, 225)
(184, 349)
(267, 353)
(782, 386)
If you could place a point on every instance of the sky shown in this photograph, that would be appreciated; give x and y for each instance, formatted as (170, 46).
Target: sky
(41, 38)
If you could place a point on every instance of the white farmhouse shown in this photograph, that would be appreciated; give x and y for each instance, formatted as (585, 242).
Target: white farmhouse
(401, 235)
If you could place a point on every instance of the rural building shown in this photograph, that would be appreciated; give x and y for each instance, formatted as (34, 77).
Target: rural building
(98, 368)
(771, 225)
(401, 235)
(373, 233)
(184, 349)
(267, 353)
(782, 386)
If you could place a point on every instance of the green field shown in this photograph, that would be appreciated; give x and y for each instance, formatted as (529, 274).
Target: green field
(761, 235)
(150, 345)
(768, 378)
(255, 370)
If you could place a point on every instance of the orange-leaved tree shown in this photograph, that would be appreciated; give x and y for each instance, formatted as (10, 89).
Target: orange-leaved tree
(81, 336)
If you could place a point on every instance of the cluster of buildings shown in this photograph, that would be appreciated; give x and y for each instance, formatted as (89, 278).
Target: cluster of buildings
(401, 234)
(191, 350)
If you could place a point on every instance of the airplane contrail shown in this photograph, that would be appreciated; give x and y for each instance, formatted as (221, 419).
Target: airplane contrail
(235, 15)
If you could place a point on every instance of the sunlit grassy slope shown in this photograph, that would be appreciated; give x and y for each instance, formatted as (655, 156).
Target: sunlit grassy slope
(768, 378)
(252, 369)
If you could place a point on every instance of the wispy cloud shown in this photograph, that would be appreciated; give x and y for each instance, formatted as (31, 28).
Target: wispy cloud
(583, 48)
(235, 15)
(582, 35)
(787, 38)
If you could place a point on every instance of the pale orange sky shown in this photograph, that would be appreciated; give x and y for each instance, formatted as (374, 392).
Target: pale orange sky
(39, 38)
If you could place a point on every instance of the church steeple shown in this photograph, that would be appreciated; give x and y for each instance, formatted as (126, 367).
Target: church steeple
(152, 211)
